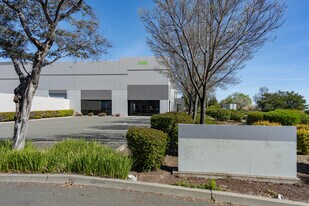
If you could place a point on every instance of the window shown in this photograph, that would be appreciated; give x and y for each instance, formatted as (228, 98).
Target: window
(96, 106)
(144, 107)
(61, 94)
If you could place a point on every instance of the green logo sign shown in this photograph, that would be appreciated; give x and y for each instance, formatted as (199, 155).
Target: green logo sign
(142, 63)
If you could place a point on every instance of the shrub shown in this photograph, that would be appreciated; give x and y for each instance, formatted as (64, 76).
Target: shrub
(307, 112)
(102, 114)
(304, 118)
(236, 116)
(168, 123)
(303, 140)
(219, 114)
(79, 114)
(254, 117)
(284, 117)
(9, 116)
(147, 147)
(302, 126)
(69, 156)
(90, 114)
(266, 123)
(208, 119)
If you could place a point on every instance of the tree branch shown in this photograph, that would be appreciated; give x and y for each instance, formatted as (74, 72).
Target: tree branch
(22, 20)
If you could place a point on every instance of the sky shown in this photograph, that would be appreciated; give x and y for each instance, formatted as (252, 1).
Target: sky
(282, 64)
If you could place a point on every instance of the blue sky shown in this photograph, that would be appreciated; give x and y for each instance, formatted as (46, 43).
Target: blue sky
(280, 65)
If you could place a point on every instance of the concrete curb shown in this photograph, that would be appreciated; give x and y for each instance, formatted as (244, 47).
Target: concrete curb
(43, 119)
(147, 187)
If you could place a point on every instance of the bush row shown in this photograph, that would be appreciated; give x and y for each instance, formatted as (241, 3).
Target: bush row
(224, 114)
(168, 123)
(9, 116)
(69, 156)
(284, 117)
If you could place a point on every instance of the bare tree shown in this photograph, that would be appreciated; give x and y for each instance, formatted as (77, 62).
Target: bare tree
(38, 33)
(213, 38)
(176, 71)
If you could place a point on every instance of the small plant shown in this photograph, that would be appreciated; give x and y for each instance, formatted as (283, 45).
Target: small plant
(90, 114)
(211, 185)
(147, 147)
(272, 193)
(102, 114)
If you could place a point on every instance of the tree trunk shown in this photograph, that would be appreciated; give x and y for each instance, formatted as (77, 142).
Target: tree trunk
(190, 107)
(203, 106)
(24, 94)
(195, 108)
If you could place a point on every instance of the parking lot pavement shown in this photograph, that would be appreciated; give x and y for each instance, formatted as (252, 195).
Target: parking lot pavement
(108, 130)
(16, 194)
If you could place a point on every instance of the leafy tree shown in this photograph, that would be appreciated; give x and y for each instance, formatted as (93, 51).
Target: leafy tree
(212, 101)
(238, 98)
(211, 40)
(37, 33)
(261, 93)
(281, 100)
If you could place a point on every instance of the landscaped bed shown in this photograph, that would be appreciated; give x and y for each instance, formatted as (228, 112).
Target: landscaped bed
(295, 192)
(68, 156)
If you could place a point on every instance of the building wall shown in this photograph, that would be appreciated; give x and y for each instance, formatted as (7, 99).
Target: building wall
(127, 79)
(39, 103)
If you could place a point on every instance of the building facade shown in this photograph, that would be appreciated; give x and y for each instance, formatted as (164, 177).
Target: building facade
(130, 86)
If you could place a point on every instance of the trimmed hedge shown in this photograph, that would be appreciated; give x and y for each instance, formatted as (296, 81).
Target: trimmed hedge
(303, 139)
(284, 117)
(9, 116)
(147, 147)
(168, 123)
(219, 114)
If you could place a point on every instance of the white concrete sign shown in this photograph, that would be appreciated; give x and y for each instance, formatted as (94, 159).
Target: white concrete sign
(250, 151)
(39, 103)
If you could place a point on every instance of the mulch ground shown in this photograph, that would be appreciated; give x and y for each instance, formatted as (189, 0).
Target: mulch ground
(295, 192)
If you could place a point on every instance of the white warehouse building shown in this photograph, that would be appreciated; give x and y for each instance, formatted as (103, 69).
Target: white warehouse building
(130, 86)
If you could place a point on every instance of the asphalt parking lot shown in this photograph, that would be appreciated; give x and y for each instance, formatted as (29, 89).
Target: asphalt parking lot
(108, 130)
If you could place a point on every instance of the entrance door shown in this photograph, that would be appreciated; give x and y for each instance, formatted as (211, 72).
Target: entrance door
(143, 107)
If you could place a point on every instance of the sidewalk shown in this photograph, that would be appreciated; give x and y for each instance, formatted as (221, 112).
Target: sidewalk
(172, 191)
